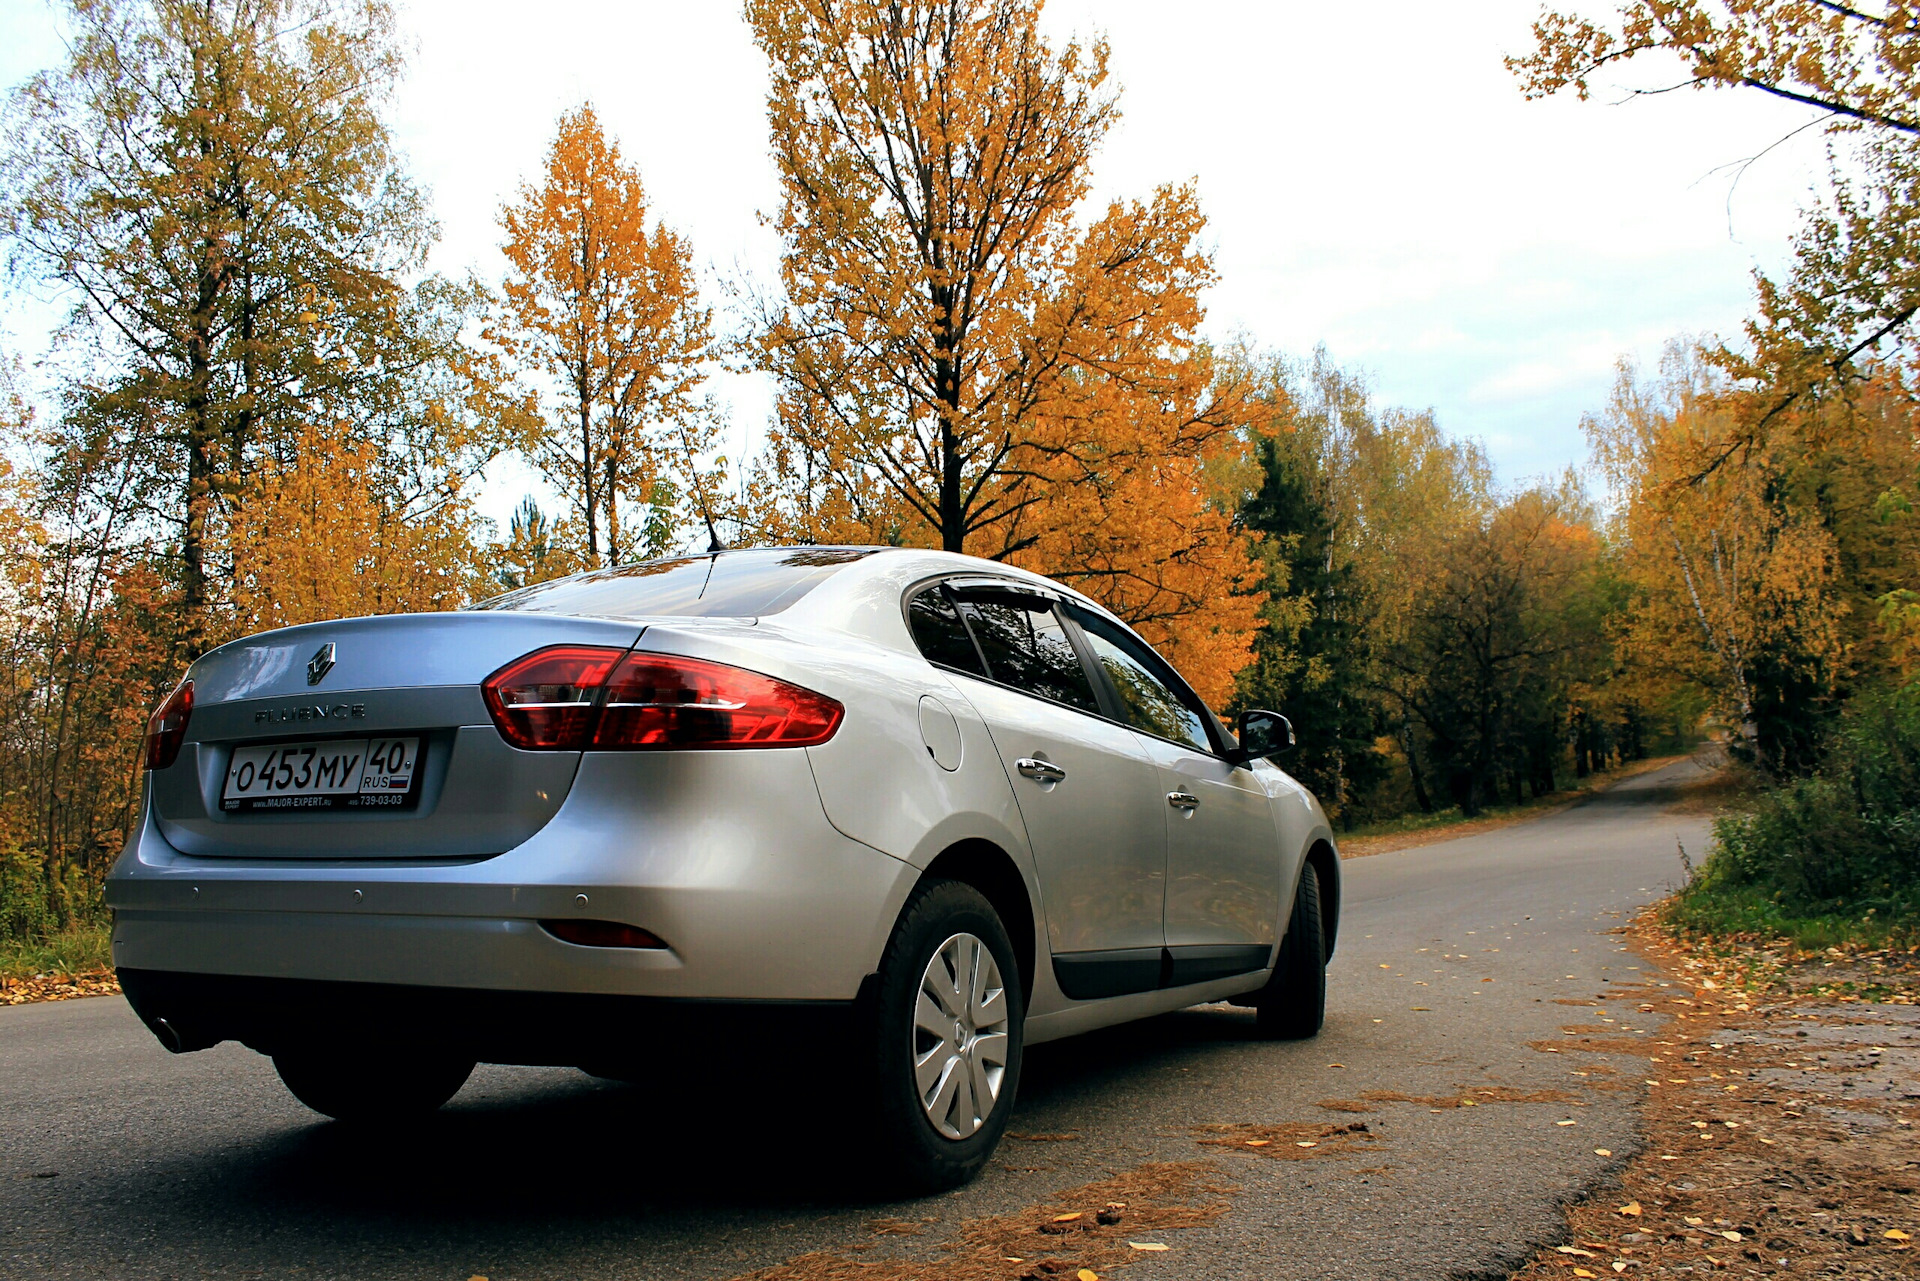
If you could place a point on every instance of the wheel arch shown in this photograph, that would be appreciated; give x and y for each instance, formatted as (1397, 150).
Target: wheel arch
(992, 871)
(1326, 863)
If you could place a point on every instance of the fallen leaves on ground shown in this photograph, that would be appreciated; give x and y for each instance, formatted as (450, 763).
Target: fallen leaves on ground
(1762, 1157)
(1077, 1234)
(57, 987)
(1288, 1141)
(1470, 1096)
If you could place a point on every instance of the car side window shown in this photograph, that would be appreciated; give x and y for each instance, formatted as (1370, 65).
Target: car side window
(1027, 647)
(1153, 706)
(940, 634)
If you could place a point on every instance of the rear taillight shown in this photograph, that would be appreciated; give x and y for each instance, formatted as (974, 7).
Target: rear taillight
(167, 727)
(548, 699)
(660, 701)
(571, 697)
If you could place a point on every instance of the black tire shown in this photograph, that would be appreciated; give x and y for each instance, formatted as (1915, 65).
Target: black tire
(916, 1157)
(1293, 1004)
(371, 1084)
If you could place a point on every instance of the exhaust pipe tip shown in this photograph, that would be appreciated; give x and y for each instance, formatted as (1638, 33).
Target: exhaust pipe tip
(168, 1035)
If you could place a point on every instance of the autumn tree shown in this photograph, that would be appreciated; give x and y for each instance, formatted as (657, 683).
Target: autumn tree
(213, 188)
(963, 362)
(1848, 302)
(605, 307)
(1404, 489)
(327, 534)
(537, 549)
(1763, 584)
(211, 182)
(1312, 655)
(1497, 639)
(85, 637)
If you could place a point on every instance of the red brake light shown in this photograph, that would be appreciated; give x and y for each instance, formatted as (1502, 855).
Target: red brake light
(602, 934)
(570, 697)
(658, 701)
(167, 727)
(548, 698)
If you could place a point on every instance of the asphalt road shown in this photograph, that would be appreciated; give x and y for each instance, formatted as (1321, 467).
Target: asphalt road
(118, 1160)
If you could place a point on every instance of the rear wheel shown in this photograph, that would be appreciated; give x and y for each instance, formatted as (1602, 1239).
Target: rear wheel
(370, 1083)
(946, 1038)
(1293, 1004)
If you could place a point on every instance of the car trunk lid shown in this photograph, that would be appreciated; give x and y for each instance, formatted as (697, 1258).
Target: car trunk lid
(408, 684)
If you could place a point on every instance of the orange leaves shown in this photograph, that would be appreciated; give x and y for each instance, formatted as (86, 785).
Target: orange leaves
(312, 539)
(606, 308)
(963, 363)
(1737, 576)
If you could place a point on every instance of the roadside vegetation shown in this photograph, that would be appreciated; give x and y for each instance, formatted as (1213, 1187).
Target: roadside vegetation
(1828, 860)
(1763, 488)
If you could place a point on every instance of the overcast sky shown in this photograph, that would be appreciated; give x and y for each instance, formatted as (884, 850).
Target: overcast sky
(1373, 178)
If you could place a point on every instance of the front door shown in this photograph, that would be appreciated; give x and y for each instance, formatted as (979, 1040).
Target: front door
(1088, 793)
(1223, 866)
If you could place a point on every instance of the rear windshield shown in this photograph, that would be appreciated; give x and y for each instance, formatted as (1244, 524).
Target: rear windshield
(742, 584)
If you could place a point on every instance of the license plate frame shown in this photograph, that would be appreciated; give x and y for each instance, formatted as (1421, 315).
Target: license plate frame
(378, 772)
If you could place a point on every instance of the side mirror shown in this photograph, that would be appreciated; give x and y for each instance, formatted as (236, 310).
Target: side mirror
(1262, 734)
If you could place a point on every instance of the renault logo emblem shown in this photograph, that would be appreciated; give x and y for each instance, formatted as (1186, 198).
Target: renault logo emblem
(320, 664)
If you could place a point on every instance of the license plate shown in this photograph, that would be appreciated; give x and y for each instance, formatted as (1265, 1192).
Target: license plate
(350, 774)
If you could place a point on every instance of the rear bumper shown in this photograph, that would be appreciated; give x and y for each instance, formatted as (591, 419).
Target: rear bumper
(727, 856)
(564, 1029)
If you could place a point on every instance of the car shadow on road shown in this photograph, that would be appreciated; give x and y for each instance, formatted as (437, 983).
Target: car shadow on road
(754, 1133)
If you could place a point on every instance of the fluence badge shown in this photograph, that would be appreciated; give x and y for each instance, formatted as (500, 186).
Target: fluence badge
(320, 664)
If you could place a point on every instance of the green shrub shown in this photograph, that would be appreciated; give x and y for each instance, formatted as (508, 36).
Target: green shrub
(1844, 841)
(26, 898)
(37, 904)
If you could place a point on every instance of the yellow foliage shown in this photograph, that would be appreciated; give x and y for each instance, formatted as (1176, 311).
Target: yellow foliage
(964, 364)
(1733, 582)
(607, 309)
(313, 540)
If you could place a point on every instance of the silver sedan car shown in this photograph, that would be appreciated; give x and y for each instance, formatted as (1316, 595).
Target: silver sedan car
(934, 807)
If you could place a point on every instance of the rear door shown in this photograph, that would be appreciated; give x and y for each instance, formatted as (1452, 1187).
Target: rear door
(1223, 868)
(1088, 793)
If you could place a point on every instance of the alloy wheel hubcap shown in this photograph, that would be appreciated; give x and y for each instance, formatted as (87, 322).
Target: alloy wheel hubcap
(960, 1036)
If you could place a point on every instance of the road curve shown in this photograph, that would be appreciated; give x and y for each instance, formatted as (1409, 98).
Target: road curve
(118, 1160)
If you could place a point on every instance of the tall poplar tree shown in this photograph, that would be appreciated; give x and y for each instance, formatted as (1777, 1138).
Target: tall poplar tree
(605, 306)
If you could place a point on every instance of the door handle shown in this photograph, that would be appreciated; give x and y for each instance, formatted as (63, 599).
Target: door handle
(1183, 800)
(1039, 771)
